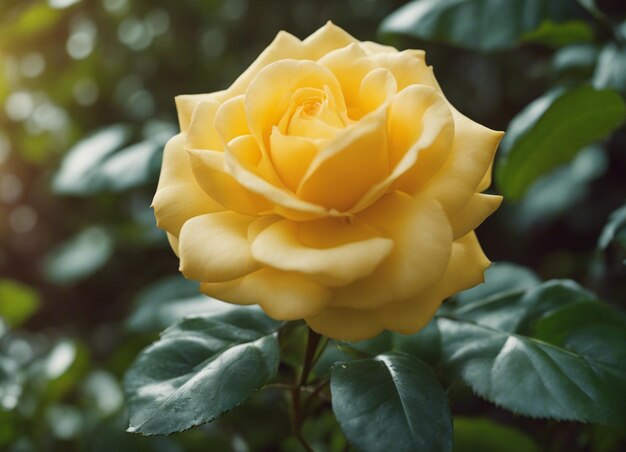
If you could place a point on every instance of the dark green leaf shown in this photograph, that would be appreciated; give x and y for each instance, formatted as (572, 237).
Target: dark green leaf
(17, 302)
(168, 301)
(534, 378)
(79, 257)
(494, 24)
(557, 192)
(472, 434)
(551, 131)
(391, 402)
(514, 310)
(425, 344)
(500, 277)
(199, 369)
(559, 34)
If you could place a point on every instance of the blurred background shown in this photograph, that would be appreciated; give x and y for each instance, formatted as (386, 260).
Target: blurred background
(86, 105)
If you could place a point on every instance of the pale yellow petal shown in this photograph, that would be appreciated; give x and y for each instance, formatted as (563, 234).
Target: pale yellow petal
(422, 245)
(242, 158)
(420, 130)
(350, 65)
(346, 324)
(178, 197)
(373, 48)
(472, 153)
(230, 119)
(466, 268)
(284, 46)
(326, 39)
(479, 207)
(282, 295)
(329, 251)
(377, 88)
(215, 247)
(332, 179)
(210, 174)
(201, 133)
(186, 103)
(408, 317)
(292, 156)
(267, 97)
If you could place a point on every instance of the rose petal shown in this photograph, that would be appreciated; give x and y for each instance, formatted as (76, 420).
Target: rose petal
(422, 245)
(267, 97)
(215, 247)
(186, 103)
(346, 324)
(479, 207)
(329, 251)
(201, 133)
(230, 119)
(178, 198)
(466, 267)
(472, 154)
(421, 131)
(332, 181)
(282, 295)
(242, 160)
(326, 39)
(377, 88)
(409, 317)
(210, 174)
(292, 156)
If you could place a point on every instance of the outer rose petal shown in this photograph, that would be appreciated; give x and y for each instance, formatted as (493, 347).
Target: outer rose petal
(215, 247)
(330, 251)
(422, 246)
(479, 207)
(346, 324)
(282, 295)
(201, 133)
(466, 269)
(472, 154)
(186, 103)
(178, 197)
(326, 39)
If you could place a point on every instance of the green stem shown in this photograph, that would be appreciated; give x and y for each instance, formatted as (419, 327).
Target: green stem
(297, 415)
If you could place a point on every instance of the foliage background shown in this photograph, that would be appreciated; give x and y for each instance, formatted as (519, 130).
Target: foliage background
(78, 243)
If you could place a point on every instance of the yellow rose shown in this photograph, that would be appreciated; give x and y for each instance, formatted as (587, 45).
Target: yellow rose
(332, 182)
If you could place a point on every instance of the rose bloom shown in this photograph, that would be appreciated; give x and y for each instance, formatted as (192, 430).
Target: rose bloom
(332, 182)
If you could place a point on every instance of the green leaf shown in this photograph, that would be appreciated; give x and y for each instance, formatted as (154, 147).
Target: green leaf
(79, 257)
(611, 68)
(556, 35)
(472, 434)
(393, 402)
(494, 24)
(169, 300)
(78, 174)
(514, 311)
(576, 60)
(425, 344)
(500, 277)
(593, 330)
(558, 192)
(614, 230)
(534, 378)
(551, 131)
(18, 302)
(201, 368)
